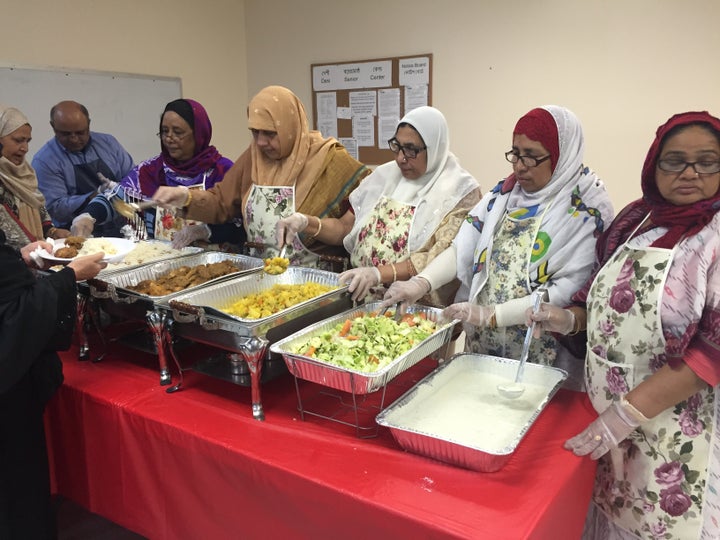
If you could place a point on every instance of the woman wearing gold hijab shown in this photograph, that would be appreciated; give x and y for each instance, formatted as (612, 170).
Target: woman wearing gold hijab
(287, 168)
(23, 216)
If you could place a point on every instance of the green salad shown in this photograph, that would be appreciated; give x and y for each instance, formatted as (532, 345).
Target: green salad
(367, 343)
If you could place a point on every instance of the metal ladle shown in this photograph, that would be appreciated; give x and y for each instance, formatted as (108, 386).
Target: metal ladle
(130, 209)
(516, 389)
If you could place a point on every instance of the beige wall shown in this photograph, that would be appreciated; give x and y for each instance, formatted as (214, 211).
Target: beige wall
(622, 66)
(179, 38)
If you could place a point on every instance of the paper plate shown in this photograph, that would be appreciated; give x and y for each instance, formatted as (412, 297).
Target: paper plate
(115, 249)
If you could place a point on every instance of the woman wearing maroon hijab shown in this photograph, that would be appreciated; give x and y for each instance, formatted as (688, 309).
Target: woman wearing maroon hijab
(652, 314)
(186, 159)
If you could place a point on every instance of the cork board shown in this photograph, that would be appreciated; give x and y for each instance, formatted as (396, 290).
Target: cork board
(361, 102)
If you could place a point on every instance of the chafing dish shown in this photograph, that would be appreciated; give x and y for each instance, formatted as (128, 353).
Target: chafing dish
(456, 414)
(117, 299)
(354, 381)
(199, 316)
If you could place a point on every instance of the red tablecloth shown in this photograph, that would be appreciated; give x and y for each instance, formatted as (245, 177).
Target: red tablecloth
(195, 464)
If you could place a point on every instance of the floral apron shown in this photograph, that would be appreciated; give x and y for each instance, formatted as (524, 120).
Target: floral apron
(266, 206)
(384, 237)
(507, 280)
(168, 221)
(653, 485)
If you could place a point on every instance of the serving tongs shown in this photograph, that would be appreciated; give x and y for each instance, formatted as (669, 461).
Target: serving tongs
(130, 209)
(398, 313)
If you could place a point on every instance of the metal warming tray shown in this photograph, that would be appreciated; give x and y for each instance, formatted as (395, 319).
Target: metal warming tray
(117, 283)
(163, 252)
(456, 415)
(205, 305)
(359, 382)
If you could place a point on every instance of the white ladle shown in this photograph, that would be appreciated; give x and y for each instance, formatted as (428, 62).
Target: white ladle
(516, 389)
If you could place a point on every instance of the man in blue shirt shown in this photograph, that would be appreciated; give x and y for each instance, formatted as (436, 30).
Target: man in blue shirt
(67, 166)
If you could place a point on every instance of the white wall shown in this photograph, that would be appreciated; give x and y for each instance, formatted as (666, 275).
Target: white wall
(203, 43)
(623, 66)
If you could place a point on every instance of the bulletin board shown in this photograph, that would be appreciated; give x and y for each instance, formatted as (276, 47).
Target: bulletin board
(360, 103)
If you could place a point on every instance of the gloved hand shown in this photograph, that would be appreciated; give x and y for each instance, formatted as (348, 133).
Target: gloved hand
(106, 184)
(360, 280)
(609, 429)
(189, 234)
(550, 318)
(408, 292)
(172, 197)
(288, 228)
(473, 313)
(83, 225)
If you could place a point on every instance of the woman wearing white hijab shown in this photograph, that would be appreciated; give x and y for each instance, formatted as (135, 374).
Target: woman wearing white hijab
(535, 229)
(404, 213)
(23, 215)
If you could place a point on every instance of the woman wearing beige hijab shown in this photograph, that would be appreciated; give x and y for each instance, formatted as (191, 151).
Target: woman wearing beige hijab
(287, 168)
(23, 216)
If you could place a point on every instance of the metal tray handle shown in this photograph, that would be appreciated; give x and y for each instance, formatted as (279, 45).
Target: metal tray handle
(103, 289)
(186, 313)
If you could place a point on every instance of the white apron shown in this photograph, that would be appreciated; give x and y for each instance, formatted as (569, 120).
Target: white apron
(266, 206)
(654, 484)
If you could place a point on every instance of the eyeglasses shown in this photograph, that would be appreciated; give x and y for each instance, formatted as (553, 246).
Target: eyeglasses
(172, 135)
(529, 161)
(409, 152)
(678, 166)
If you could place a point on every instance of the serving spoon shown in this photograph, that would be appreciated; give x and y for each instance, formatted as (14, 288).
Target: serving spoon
(277, 265)
(131, 209)
(516, 389)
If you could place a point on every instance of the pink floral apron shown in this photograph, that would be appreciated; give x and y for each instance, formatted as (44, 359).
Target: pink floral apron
(654, 484)
(266, 206)
(168, 221)
(384, 237)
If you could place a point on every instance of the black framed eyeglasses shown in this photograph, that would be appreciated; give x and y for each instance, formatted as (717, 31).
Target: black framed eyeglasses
(408, 151)
(529, 161)
(678, 166)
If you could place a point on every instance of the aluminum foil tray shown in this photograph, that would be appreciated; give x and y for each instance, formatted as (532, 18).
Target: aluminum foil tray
(207, 302)
(118, 282)
(126, 264)
(359, 382)
(456, 415)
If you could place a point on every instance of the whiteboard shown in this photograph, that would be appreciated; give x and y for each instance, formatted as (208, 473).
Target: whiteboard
(125, 105)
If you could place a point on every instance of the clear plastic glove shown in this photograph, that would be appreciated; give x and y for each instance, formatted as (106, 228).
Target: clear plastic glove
(106, 185)
(83, 225)
(407, 292)
(287, 229)
(473, 313)
(360, 280)
(550, 318)
(189, 234)
(172, 197)
(88, 266)
(609, 429)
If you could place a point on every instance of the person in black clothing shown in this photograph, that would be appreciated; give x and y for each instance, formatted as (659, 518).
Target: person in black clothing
(37, 317)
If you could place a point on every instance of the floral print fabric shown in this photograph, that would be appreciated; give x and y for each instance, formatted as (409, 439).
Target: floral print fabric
(265, 207)
(659, 493)
(507, 280)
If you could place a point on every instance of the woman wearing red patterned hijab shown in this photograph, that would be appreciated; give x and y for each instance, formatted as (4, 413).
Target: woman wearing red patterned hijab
(652, 313)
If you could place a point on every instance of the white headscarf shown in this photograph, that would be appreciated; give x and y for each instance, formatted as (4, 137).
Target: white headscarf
(575, 209)
(434, 194)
